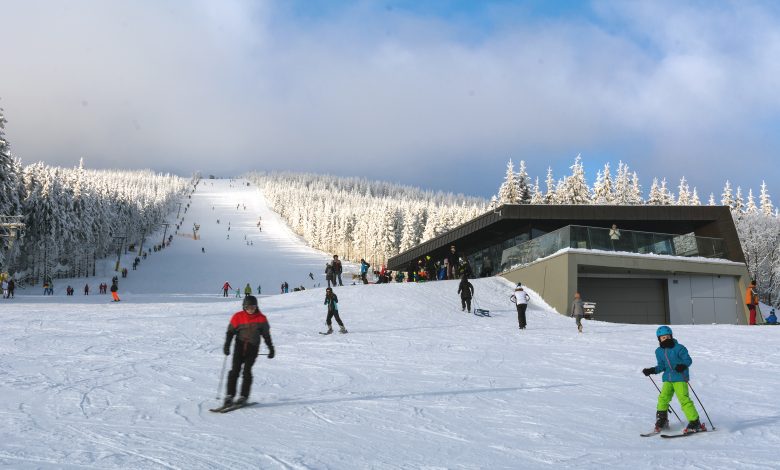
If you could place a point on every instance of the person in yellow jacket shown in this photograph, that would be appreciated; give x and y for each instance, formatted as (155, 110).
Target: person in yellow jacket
(247, 290)
(751, 300)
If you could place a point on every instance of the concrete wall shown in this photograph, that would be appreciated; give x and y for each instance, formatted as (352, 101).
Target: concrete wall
(699, 296)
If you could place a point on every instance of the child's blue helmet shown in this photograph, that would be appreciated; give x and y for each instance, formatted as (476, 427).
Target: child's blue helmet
(663, 330)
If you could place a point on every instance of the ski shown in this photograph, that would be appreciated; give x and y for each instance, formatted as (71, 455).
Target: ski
(326, 333)
(651, 433)
(672, 436)
(233, 407)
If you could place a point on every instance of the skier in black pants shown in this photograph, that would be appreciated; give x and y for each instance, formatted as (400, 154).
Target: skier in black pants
(333, 311)
(466, 291)
(520, 298)
(249, 324)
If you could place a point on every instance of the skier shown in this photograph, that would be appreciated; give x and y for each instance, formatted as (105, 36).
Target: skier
(364, 270)
(674, 361)
(249, 325)
(333, 311)
(225, 287)
(5, 288)
(337, 270)
(86, 289)
(259, 290)
(115, 290)
(520, 298)
(329, 276)
(466, 291)
(311, 275)
(11, 287)
(577, 310)
(202, 249)
(247, 290)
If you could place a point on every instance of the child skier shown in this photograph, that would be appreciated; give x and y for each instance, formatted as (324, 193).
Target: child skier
(249, 325)
(674, 361)
(333, 311)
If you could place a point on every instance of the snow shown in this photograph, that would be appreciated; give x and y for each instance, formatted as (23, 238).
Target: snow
(417, 383)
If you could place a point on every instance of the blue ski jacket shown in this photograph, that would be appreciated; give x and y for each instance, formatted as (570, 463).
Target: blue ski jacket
(668, 359)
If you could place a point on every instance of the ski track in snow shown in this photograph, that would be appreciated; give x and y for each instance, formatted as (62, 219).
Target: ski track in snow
(417, 383)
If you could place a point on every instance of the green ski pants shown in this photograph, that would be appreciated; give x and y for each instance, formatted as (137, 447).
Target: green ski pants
(681, 390)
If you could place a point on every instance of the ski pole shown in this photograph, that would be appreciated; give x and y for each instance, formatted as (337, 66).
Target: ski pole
(702, 406)
(221, 377)
(659, 391)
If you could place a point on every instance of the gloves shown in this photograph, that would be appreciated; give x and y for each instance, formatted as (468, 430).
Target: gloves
(271, 353)
(226, 349)
(649, 371)
(680, 367)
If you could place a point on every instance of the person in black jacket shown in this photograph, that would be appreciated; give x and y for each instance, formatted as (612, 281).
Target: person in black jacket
(249, 325)
(332, 301)
(452, 263)
(466, 291)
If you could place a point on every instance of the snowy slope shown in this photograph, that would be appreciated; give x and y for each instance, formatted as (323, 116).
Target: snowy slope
(415, 384)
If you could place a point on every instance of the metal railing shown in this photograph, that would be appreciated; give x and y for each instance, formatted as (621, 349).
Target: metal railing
(605, 239)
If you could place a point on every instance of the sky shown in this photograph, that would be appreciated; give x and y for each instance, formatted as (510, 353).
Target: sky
(437, 94)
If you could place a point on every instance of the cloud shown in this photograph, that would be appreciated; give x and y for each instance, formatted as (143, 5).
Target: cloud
(437, 100)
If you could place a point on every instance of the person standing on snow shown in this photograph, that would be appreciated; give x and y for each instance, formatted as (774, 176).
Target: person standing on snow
(751, 300)
(332, 301)
(329, 276)
(248, 325)
(115, 290)
(577, 310)
(520, 298)
(247, 290)
(337, 270)
(225, 288)
(674, 361)
(364, 270)
(466, 291)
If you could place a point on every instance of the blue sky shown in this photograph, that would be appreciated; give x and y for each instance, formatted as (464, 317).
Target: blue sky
(438, 94)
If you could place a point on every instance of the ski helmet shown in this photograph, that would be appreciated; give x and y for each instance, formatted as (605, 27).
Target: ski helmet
(663, 330)
(249, 300)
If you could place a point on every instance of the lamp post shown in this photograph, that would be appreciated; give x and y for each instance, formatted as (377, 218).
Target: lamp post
(165, 232)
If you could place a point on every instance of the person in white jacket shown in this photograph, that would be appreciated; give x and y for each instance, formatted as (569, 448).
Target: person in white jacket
(520, 298)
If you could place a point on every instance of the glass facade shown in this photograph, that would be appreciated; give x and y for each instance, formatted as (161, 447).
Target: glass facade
(521, 250)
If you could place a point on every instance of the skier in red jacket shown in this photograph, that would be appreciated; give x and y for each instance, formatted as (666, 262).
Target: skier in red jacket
(248, 325)
(225, 288)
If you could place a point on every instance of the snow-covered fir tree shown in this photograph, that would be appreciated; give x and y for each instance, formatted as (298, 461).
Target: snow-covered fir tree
(683, 193)
(655, 197)
(739, 202)
(574, 188)
(509, 191)
(695, 201)
(767, 208)
(727, 198)
(549, 195)
(751, 207)
(523, 184)
(602, 188)
(711, 201)
(537, 197)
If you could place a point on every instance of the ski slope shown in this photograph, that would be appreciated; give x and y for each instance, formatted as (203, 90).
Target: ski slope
(417, 383)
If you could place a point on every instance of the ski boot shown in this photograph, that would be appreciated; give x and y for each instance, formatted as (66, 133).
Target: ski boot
(343, 330)
(228, 401)
(694, 426)
(240, 401)
(661, 420)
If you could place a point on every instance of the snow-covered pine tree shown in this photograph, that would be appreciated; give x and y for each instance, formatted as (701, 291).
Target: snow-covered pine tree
(695, 201)
(683, 193)
(549, 196)
(666, 195)
(508, 192)
(655, 197)
(751, 207)
(537, 197)
(711, 201)
(739, 202)
(575, 188)
(622, 191)
(602, 188)
(635, 193)
(523, 187)
(727, 198)
(766, 201)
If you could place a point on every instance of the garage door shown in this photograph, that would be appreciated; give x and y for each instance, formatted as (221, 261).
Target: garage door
(625, 300)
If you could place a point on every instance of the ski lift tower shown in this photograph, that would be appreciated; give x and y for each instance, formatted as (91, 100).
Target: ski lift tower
(11, 228)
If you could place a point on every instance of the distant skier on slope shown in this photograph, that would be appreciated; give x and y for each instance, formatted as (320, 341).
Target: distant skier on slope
(466, 291)
(249, 325)
(225, 288)
(520, 298)
(332, 301)
(674, 361)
